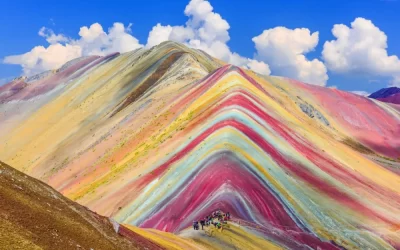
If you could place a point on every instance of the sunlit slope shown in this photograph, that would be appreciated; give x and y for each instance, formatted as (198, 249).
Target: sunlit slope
(233, 236)
(316, 167)
(90, 103)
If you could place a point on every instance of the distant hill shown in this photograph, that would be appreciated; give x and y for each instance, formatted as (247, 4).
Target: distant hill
(390, 95)
(395, 98)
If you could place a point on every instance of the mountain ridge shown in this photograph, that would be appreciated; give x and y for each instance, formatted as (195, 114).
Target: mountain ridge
(160, 137)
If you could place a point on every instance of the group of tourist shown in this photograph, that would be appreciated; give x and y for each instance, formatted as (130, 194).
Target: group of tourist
(216, 218)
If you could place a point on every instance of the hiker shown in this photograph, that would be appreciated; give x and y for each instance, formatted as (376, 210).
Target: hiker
(202, 222)
(219, 226)
(195, 225)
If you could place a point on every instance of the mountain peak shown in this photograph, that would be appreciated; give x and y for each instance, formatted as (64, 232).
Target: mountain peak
(158, 138)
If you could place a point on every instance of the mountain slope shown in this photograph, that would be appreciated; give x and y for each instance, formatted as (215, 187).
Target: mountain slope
(233, 237)
(157, 138)
(34, 216)
(89, 102)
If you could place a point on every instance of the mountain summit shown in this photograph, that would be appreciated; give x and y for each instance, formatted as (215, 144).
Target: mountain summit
(157, 138)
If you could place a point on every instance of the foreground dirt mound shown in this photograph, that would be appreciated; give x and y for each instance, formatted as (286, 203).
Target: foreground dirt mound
(35, 216)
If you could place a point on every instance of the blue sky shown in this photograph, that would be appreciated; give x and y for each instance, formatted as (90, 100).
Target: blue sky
(21, 21)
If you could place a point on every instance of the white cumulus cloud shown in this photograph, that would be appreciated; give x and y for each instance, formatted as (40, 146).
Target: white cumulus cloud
(205, 30)
(284, 50)
(360, 49)
(360, 92)
(51, 37)
(93, 41)
(158, 34)
(259, 67)
(279, 50)
(40, 58)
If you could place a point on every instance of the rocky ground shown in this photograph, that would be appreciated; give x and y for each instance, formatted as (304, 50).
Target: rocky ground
(35, 216)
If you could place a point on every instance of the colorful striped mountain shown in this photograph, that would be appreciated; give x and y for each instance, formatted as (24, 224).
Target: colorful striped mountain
(156, 138)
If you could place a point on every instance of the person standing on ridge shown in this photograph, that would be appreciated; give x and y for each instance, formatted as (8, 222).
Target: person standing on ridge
(202, 222)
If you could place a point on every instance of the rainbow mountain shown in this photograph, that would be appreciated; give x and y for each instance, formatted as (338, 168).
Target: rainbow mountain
(156, 138)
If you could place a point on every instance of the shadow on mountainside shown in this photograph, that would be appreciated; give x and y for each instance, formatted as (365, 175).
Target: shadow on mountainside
(35, 216)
